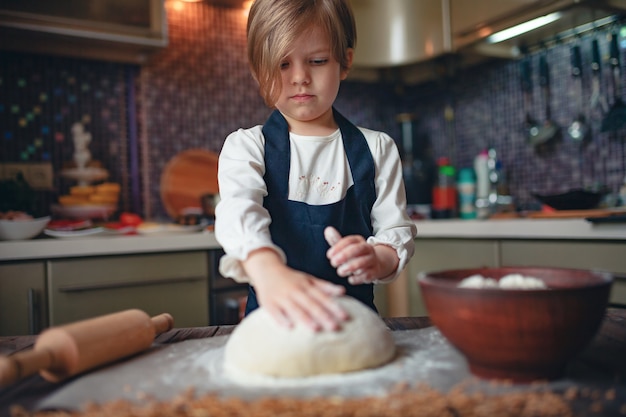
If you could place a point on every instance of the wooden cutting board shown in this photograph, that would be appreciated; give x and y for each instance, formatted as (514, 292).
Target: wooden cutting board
(571, 214)
(186, 177)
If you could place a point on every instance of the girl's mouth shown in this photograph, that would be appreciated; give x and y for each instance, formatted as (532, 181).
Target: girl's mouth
(302, 97)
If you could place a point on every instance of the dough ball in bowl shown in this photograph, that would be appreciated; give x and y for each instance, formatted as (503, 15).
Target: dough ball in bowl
(517, 330)
(260, 346)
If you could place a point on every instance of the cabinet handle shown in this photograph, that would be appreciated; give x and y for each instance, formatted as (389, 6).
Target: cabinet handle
(116, 285)
(33, 311)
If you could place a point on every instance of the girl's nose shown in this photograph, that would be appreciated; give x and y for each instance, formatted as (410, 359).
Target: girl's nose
(300, 74)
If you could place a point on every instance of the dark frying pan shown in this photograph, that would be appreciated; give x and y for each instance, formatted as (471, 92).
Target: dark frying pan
(615, 119)
(577, 199)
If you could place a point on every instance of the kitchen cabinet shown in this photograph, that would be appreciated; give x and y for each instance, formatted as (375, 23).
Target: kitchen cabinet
(607, 256)
(432, 254)
(227, 297)
(438, 254)
(175, 283)
(122, 31)
(22, 298)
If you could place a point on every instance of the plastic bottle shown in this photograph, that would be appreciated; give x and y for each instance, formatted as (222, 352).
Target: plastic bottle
(444, 191)
(481, 168)
(622, 193)
(466, 186)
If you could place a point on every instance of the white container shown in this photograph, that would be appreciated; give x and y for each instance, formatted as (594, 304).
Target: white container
(481, 168)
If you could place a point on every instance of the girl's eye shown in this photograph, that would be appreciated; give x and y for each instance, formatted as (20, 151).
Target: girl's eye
(319, 61)
(284, 65)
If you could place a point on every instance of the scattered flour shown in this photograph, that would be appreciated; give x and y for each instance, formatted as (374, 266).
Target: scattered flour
(507, 282)
(422, 356)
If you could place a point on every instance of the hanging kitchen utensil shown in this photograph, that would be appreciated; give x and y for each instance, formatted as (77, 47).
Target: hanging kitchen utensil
(530, 125)
(578, 130)
(615, 119)
(598, 100)
(549, 129)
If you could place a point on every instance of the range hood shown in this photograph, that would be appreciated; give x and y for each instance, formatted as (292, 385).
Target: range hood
(397, 36)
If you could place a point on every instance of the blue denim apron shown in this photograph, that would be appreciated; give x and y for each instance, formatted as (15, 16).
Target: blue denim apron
(298, 228)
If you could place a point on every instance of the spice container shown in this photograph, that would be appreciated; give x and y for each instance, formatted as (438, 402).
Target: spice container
(466, 186)
(444, 191)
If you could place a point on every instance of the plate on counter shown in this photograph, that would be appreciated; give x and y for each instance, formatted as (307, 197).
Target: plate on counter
(149, 228)
(74, 233)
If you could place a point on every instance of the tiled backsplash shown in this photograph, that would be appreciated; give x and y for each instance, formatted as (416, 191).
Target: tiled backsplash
(199, 89)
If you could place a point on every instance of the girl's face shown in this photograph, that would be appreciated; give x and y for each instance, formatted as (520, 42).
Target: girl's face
(310, 83)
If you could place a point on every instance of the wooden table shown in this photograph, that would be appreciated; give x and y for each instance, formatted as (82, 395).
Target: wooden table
(602, 363)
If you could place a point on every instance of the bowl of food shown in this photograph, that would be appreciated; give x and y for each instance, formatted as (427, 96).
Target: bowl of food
(517, 323)
(21, 226)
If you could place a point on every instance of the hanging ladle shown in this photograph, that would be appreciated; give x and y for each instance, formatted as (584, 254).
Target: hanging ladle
(549, 129)
(531, 127)
(578, 130)
(615, 119)
(598, 103)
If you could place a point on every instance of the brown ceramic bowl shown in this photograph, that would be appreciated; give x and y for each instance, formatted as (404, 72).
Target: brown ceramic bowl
(519, 335)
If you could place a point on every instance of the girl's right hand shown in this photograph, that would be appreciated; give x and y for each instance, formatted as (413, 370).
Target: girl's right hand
(292, 296)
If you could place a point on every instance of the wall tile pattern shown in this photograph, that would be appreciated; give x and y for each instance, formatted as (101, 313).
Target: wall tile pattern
(41, 97)
(199, 89)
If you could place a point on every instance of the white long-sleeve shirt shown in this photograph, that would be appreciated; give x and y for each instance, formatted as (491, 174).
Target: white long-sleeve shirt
(319, 174)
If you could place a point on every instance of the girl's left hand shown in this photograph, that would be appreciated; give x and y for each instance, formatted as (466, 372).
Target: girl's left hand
(356, 259)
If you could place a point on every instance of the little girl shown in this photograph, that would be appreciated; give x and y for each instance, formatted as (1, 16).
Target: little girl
(311, 207)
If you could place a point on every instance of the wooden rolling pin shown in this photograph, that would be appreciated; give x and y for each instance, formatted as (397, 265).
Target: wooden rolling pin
(64, 351)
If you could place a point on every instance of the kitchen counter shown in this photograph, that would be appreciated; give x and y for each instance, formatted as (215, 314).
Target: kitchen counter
(577, 229)
(563, 229)
(599, 369)
(96, 245)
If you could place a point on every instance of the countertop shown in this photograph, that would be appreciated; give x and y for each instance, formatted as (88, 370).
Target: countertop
(599, 368)
(98, 245)
(521, 228)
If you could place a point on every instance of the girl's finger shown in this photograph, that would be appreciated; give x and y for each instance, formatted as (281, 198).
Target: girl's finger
(331, 235)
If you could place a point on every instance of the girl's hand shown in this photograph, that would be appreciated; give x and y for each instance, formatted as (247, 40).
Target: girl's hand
(292, 296)
(356, 259)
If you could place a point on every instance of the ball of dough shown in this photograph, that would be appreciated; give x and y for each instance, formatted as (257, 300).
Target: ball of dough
(258, 345)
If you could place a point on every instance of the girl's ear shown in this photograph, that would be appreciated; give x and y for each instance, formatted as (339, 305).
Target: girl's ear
(349, 57)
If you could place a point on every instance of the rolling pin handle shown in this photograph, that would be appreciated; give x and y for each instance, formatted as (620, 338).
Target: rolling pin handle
(162, 323)
(23, 364)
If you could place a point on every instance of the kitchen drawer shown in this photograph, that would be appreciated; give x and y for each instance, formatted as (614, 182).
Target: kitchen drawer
(22, 298)
(175, 283)
(607, 256)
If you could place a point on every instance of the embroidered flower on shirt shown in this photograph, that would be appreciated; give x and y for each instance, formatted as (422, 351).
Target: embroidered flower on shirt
(314, 185)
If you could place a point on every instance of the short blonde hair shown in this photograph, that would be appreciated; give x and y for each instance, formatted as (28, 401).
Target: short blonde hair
(274, 24)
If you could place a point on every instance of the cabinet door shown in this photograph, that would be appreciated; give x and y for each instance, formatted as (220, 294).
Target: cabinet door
(22, 298)
(440, 254)
(174, 283)
(607, 256)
